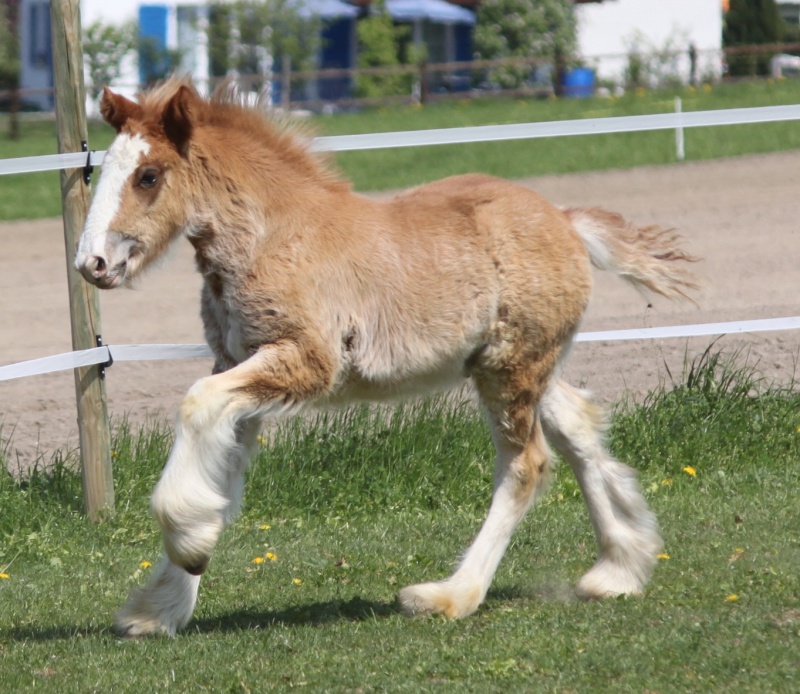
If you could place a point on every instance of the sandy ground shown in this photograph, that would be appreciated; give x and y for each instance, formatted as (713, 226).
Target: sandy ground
(740, 215)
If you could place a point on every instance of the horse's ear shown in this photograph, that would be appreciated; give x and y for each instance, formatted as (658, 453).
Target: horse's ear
(116, 109)
(179, 115)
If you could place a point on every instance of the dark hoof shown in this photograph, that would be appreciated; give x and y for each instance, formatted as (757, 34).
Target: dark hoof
(197, 569)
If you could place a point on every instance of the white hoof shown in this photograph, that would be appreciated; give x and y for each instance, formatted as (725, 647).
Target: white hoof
(163, 606)
(445, 597)
(607, 579)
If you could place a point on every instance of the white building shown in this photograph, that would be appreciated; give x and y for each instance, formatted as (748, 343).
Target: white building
(611, 29)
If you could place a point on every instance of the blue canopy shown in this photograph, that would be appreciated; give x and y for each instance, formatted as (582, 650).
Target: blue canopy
(327, 9)
(437, 11)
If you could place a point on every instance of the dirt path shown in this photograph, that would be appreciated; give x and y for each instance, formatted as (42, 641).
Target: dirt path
(740, 215)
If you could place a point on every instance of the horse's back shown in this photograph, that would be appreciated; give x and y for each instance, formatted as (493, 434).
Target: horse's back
(528, 242)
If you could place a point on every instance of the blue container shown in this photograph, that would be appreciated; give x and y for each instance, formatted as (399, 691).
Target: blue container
(579, 83)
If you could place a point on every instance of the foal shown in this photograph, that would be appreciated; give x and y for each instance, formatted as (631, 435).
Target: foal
(315, 295)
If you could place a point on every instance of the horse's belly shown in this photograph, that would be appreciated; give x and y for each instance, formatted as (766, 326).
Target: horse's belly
(404, 372)
(414, 385)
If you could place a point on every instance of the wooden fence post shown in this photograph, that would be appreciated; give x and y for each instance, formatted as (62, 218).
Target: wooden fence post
(13, 114)
(286, 83)
(84, 305)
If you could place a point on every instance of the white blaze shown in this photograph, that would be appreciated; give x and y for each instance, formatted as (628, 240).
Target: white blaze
(121, 160)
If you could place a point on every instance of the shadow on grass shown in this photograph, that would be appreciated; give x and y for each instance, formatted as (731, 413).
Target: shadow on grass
(311, 614)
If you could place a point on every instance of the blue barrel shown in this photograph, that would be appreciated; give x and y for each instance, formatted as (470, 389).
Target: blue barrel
(579, 82)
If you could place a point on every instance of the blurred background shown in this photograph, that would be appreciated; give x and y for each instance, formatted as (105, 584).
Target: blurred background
(328, 55)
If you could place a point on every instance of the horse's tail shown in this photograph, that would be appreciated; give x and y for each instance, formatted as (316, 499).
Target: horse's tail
(644, 256)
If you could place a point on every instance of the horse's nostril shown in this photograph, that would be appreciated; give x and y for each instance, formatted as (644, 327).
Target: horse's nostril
(100, 266)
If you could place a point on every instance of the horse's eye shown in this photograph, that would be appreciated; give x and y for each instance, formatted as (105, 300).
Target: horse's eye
(149, 178)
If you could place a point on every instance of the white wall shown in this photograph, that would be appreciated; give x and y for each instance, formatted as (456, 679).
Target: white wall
(611, 27)
(118, 12)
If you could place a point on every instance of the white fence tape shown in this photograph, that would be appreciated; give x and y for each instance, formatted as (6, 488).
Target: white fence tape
(699, 330)
(49, 162)
(102, 355)
(481, 133)
(587, 126)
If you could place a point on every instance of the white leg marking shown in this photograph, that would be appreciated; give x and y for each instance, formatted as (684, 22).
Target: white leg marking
(166, 603)
(462, 593)
(626, 529)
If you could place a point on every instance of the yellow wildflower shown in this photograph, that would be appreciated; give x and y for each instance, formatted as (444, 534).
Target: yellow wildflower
(4, 576)
(667, 481)
(297, 581)
(261, 440)
(258, 560)
(731, 598)
(689, 470)
(271, 556)
(663, 555)
(264, 527)
(145, 564)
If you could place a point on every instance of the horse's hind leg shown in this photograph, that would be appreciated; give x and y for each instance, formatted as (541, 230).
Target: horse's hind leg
(626, 530)
(521, 471)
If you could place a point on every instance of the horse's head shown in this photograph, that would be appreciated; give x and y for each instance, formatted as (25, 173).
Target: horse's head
(140, 204)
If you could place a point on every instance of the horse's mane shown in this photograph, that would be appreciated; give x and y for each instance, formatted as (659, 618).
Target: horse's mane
(229, 107)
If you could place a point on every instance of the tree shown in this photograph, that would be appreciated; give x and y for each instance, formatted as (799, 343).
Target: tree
(379, 46)
(524, 29)
(747, 23)
(243, 33)
(9, 65)
(105, 46)
(9, 50)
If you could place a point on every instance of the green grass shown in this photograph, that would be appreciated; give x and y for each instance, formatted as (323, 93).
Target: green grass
(37, 195)
(361, 503)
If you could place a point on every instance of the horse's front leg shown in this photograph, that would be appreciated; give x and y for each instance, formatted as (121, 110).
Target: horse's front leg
(201, 486)
(167, 602)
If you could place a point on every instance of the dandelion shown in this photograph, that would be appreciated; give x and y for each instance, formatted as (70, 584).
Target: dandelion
(271, 556)
(689, 470)
(667, 482)
(145, 564)
(264, 527)
(4, 576)
(731, 598)
(798, 429)
(258, 560)
(297, 581)
(261, 440)
(738, 553)
(663, 555)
